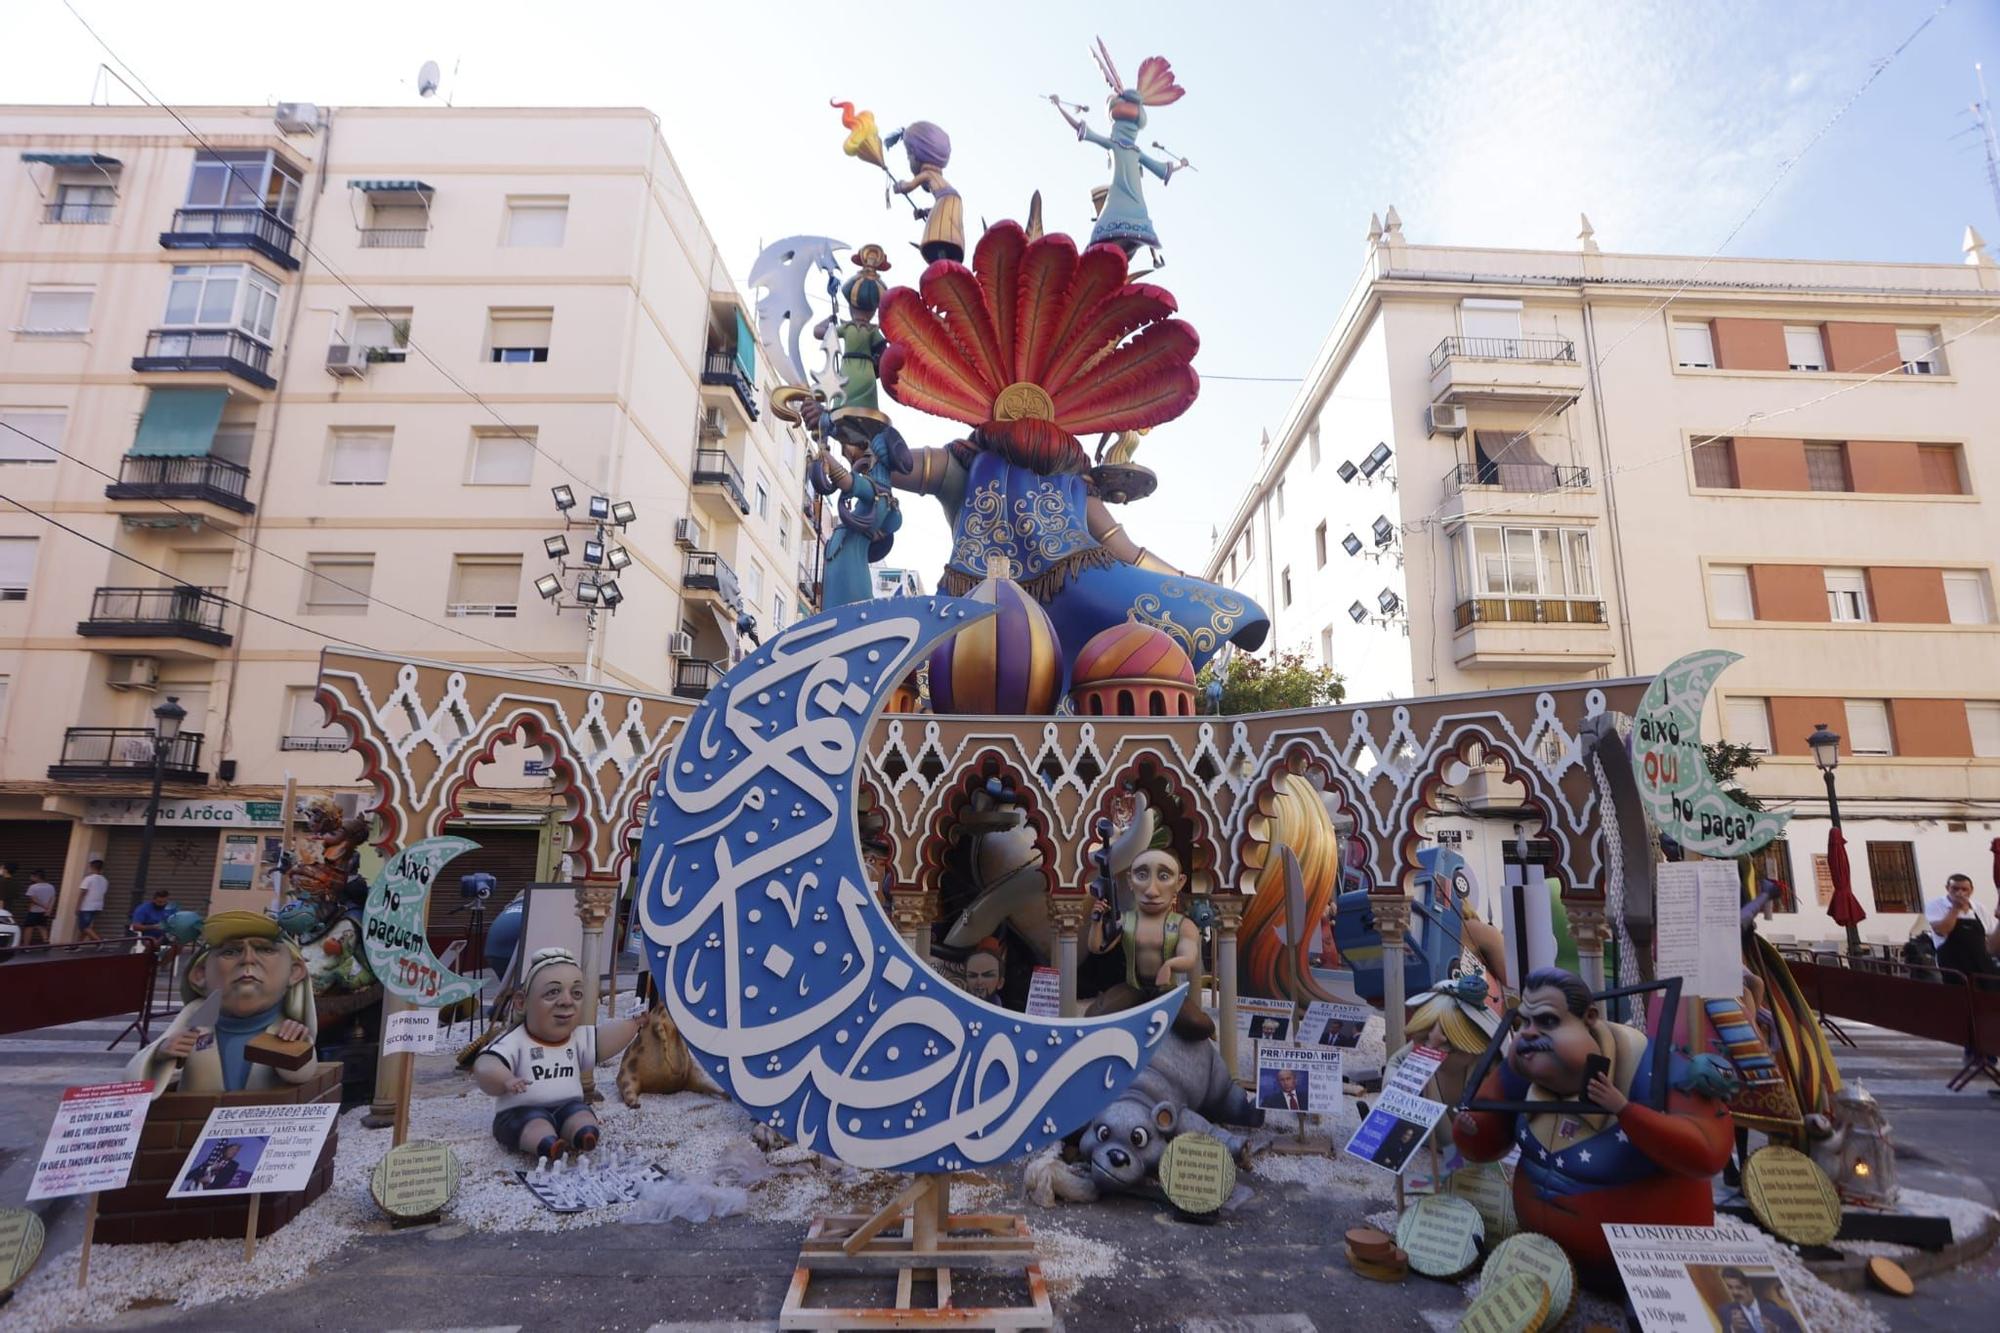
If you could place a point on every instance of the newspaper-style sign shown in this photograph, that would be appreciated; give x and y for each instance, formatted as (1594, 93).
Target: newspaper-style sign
(1259, 1020)
(255, 1150)
(1298, 1078)
(1678, 1278)
(565, 1187)
(1045, 993)
(93, 1140)
(1699, 935)
(1329, 1024)
(1395, 1127)
(412, 1030)
(1412, 1069)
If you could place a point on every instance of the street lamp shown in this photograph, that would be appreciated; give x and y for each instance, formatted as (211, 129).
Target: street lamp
(167, 719)
(1825, 747)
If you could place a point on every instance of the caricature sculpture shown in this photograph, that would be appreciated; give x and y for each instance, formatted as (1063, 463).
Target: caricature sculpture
(867, 511)
(536, 1070)
(859, 339)
(245, 982)
(929, 149)
(1124, 221)
(1162, 948)
(1632, 1164)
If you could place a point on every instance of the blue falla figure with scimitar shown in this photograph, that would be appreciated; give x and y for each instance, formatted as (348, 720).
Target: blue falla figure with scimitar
(1124, 221)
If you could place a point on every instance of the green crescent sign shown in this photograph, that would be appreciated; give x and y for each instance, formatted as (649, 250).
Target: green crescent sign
(392, 926)
(1672, 772)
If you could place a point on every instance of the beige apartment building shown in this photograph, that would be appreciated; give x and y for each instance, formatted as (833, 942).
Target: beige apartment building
(1514, 466)
(300, 376)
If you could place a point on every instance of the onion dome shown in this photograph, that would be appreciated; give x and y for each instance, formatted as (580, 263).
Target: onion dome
(1009, 663)
(1132, 670)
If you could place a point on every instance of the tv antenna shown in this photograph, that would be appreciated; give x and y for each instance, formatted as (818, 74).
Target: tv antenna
(1983, 109)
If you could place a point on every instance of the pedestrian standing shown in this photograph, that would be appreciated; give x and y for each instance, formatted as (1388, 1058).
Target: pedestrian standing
(95, 889)
(1963, 939)
(41, 909)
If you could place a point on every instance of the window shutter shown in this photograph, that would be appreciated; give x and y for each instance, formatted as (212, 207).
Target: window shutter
(17, 561)
(24, 432)
(1729, 592)
(486, 582)
(1965, 597)
(324, 583)
(360, 458)
(1748, 722)
(306, 718)
(1868, 727)
(1982, 719)
(1938, 465)
(502, 460)
(58, 312)
(1694, 346)
(521, 328)
(1805, 349)
(1826, 468)
(1715, 465)
(539, 222)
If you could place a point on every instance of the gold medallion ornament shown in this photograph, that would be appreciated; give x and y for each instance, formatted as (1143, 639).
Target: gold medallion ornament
(1441, 1235)
(1022, 399)
(1542, 1259)
(415, 1182)
(1791, 1196)
(1197, 1174)
(21, 1237)
(1518, 1304)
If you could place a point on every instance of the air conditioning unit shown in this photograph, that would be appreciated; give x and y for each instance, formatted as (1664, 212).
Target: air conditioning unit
(710, 426)
(134, 673)
(687, 533)
(1445, 418)
(680, 644)
(296, 117)
(347, 361)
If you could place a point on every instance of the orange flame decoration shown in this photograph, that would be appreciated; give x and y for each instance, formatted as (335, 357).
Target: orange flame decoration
(863, 139)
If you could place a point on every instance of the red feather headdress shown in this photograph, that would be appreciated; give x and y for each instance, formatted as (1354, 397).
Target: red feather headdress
(1036, 333)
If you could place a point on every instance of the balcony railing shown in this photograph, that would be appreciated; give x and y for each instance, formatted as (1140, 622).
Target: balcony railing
(719, 367)
(75, 213)
(808, 581)
(256, 229)
(1529, 478)
(181, 612)
(714, 467)
(394, 238)
(199, 477)
(1528, 611)
(705, 571)
(227, 351)
(314, 744)
(1504, 349)
(694, 678)
(111, 753)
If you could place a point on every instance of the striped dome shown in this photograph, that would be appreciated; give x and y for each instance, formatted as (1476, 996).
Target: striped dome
(1132, 651)
(1009, 663)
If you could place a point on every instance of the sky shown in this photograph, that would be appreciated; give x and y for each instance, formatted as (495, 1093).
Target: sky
(1483, 122)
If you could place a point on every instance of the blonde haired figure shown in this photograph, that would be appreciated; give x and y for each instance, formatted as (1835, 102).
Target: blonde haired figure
(246, 979)
(535, 1071)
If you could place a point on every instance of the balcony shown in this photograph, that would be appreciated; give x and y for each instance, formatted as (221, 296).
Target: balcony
(694, 678)
(718, 485)
(112, 754)
(1558, 490)
(1540, 372)
(706, 573)
(719, 370)
(255, 229)
(1531, 633)
(213, 351)
(314, 744)
(73, 214)
(394, 238)
(809, 581)
(201, 479)
(126, 615)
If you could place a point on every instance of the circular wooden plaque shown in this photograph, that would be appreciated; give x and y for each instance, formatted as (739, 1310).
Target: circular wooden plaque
(21, 1237)
(1487, 1187)
(415, 1181)
(1791, 1196)
(1888, 1275)
(1197, 1173)
(1441, 1234)
(1519, 1304)
(1530, 1253)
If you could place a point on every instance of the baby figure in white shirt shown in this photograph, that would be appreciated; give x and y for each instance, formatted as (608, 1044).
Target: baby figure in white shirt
(536, 1070)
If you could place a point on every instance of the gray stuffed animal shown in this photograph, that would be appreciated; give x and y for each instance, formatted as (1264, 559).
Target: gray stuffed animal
(1184, 1089)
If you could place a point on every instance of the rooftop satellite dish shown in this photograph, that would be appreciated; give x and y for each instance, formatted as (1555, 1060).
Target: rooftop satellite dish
(427, 79)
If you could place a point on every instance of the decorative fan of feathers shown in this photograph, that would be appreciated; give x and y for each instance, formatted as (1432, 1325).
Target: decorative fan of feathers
(1036, 332)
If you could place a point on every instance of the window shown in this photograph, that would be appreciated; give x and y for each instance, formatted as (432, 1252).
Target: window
(17, 566)
(384, 333)
(1694, 346)
(57, 310)
(1481, 318)
(1531, 562)
(753, 583)
(763, 497)
(232, 439)
(1892, 870)
(1804, 348)
(31, 435)
(306, 727)
(778, 611)
(1326, 645)
(1232, 565)
(515, 337)
(501, 458)
(1774, 861)
(1250, 541)
(1965, 597)
(1312, 444)
(484, 585)
(1937, 464)
(1715, 464)
(1826, 467)
(1868, 727)
(1748, 722)
(1729, 593)
(243, 180)
(1846, 595)
(1319, 545)
(1281, 499)
(358, 457)
(81, 202)
(1982, 719)
(537, 221)
(338, 585)
(1285, 585)
(784, 529)
(1919, 351)
(222, 296)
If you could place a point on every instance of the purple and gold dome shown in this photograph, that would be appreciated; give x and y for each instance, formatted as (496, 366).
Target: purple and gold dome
(1009, 663)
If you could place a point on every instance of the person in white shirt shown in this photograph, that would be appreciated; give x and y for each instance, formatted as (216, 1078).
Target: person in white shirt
(41, 909)
(535, 1071)
(1959, 930)
(95, 888)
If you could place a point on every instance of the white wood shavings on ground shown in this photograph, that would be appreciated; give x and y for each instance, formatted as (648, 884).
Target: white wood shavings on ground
(1967, 1216)
(1336, 1172)
(1068, 1258)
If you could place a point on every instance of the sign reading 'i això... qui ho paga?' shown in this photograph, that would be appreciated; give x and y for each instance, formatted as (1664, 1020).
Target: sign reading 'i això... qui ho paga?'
(1684, 801)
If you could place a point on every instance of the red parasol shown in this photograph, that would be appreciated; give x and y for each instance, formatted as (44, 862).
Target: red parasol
(1996, 863)
(1845, 908)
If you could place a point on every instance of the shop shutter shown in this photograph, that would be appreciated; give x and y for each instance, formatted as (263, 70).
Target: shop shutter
(507, 854)
(183, 863)
(29, 845)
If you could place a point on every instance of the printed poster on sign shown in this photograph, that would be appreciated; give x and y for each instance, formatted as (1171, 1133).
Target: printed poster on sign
(412, 1030)
(1330, 1024)
(1719, 1278)
(255, 1150)
(1411, 1070)
(1259, 1020)
(93, 1140)
(1699, 929)
(1395, 1128)
(1045, 993)
(1298, 1078)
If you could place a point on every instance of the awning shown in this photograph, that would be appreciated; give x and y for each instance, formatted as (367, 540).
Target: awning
(71, 159)
(390, 187)
(179, 423)
(725, 620)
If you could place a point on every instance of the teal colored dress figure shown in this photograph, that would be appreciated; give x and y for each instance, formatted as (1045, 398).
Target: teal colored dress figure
(868, 515)
(1123, 221)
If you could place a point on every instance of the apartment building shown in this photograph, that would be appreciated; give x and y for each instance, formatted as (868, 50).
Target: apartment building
(1512, 466)
(282, 378)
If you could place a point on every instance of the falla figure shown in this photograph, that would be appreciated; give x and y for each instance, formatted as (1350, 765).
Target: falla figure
(1162, 947)
(1124, 221)
(535, 1072)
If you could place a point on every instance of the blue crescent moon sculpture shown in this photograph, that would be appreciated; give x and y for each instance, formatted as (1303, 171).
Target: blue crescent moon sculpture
(780, 968)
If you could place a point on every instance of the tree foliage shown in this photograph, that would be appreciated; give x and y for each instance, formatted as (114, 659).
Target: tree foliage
(1725, 761)
(1263, 685)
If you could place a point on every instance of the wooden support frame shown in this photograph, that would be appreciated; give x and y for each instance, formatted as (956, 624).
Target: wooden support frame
(918, 1240)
